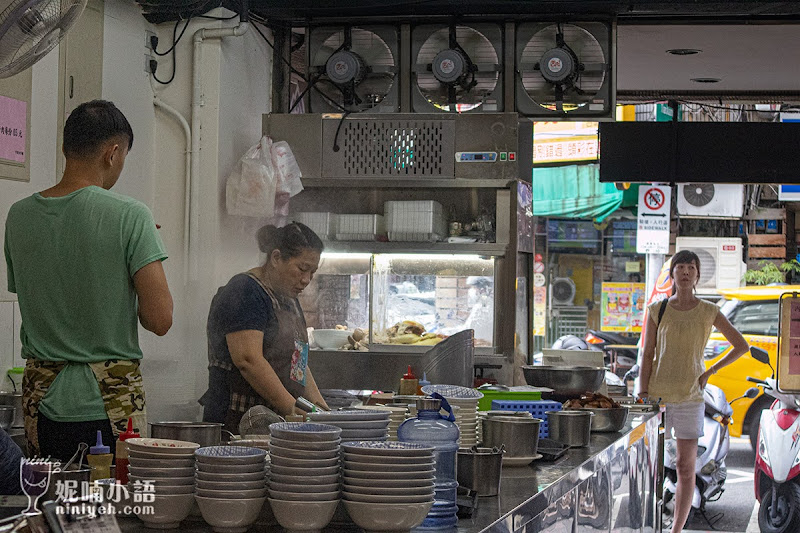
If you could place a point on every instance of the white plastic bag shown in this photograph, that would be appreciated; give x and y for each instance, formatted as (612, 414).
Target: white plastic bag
(251, 186)
(288, 176)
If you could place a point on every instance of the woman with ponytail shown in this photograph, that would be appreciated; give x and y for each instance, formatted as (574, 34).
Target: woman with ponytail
(257, 340)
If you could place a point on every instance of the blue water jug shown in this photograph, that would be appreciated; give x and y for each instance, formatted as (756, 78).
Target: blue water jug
(431, 428)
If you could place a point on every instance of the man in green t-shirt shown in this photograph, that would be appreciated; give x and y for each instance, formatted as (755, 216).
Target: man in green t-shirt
(85, 264)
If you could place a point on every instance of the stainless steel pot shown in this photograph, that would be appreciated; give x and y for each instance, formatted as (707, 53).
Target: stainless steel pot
(607, 419)
(14, 399)
(203, 433)
(6, 416)
(573, 428)
(479, 469)
(519, 435)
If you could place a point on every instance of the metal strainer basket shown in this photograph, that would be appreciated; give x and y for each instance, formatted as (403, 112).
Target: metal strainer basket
(257, 419)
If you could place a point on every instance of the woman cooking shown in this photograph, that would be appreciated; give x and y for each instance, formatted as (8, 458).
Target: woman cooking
(257, 340)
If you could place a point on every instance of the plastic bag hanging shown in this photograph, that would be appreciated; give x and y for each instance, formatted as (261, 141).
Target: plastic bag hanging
(288, 176)
(251, 186)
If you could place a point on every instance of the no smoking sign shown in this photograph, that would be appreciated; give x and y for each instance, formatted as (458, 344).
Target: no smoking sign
(652, 231)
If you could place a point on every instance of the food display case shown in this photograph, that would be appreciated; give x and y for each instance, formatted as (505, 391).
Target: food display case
(440, 244)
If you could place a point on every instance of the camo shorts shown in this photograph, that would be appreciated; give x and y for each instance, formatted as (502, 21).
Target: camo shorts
(120, 383)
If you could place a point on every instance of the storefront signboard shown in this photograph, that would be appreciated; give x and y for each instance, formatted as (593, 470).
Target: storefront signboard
(789, 193)
(622, 307)
(539, 311)
(564, 142)
(652, 231)
(789, 343)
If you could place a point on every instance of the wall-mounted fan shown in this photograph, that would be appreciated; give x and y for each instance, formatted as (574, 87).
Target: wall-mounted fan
(29, 29)
(565, 69)
(457, 68)
(353, 69)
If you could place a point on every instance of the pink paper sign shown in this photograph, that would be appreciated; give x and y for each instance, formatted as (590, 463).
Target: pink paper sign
(794, 357)
(13, 126)
(794, 317)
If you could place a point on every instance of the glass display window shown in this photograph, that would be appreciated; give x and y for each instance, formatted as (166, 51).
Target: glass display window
(414, 300)
(421, 299)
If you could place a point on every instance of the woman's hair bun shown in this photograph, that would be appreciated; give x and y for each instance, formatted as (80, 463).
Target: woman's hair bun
(268, 238)
(291, 240)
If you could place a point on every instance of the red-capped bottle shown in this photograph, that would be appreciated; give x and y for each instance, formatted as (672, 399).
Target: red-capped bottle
(121, 470)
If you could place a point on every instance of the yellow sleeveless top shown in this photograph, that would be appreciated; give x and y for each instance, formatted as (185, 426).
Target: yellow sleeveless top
(678, 361)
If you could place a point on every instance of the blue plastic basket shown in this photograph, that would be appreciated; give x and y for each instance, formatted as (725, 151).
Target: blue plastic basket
(536, 408)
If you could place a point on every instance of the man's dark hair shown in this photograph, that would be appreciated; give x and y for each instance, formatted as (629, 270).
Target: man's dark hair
(92, 124)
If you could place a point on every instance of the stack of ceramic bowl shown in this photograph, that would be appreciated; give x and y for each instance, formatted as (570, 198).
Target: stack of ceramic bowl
(304, 476)
(356, 424)
(165, 467)
(397, 415)
(387, 486)
(466, 400)
(231, 486)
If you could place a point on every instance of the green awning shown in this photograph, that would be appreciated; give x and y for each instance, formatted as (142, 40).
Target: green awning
(573, 191)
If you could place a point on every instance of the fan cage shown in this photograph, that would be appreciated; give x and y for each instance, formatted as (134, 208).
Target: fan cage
(29, 29)
(377, 46)
(482, 44)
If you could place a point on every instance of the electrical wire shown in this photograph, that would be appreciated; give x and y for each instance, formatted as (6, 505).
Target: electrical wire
(336, 147)
(313, 86)
(174, 40)
(172, 48)
(299, 99)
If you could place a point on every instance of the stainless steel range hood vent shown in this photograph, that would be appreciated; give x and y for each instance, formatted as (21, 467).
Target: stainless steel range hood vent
(395, 146)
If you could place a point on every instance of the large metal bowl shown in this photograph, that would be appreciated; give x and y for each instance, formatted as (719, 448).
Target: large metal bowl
(567, 381)
(203, 433)
(606, 419)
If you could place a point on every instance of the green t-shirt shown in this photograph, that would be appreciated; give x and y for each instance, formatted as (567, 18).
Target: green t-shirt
(71, 260)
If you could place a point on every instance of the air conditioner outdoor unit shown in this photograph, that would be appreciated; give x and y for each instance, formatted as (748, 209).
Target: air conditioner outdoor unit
(721, 265)
(710, 200)
(562, 291)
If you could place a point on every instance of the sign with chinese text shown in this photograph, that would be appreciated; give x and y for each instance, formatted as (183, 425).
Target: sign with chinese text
(564, 142)
(652, 230)
(789, 343)
(13, 129)
(539, 311)
(623, 307)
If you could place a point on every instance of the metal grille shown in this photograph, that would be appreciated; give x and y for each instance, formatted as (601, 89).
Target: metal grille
(392, 148)
(569, 320)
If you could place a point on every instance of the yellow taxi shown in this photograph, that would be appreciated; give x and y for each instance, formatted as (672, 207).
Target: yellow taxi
(754, 312)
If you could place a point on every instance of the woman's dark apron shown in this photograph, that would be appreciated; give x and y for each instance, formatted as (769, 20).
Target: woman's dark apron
(281, 352)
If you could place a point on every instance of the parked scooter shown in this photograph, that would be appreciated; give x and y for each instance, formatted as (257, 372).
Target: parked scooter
(777, 484)
(625, 357)
(712, 449)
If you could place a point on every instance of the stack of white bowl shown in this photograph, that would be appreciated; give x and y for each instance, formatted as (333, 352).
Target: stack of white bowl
(397, 415)
(466, 400)
(387, 486)
(231, 486)
(166, 467)
(304, 488)
(356, 424)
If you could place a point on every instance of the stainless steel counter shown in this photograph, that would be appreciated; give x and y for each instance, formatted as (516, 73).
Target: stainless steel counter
(609, 485)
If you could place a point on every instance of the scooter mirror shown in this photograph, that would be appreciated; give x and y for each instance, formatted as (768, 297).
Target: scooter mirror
(751, 393)
(759, 355)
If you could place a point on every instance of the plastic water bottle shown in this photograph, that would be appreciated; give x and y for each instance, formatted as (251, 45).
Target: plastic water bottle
(434, 429)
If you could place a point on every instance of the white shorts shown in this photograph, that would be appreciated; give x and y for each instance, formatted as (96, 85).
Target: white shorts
(684, 420)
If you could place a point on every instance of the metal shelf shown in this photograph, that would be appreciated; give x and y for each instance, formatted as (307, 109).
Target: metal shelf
(383, 183)
(477, 248)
